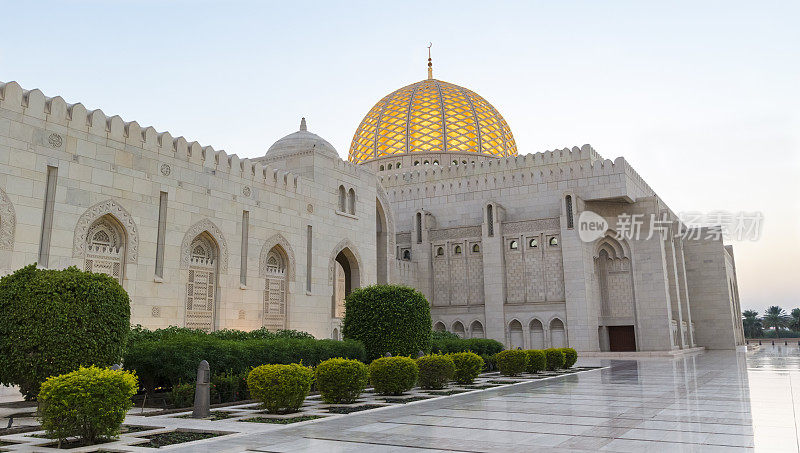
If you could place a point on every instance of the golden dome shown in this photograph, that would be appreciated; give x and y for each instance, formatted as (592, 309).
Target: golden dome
(431, 116)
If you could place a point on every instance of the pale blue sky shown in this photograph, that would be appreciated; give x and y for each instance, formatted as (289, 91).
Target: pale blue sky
(701, 97)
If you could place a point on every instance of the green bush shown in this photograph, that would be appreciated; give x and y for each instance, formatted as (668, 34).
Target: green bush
(468, 366)
(570, 357)
(341, 380)
(555, 358)
(280, 388)
(388, 318)
(229, 387)
(489, 363)
(182, 395)
(54, 321)
(511, 362)
(435, 371)
(536, 361)
(479, 346)
(89, 403)
(393, 375)
(174, 359)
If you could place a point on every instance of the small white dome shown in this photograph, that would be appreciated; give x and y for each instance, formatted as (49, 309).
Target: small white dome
(299, 142)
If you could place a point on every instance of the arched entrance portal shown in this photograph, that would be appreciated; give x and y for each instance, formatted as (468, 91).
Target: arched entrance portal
(346, 278)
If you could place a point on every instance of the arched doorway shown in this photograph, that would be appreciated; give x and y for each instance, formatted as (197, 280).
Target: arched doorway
(558, 336)
(476, 329)
(458, 329)
(439, 327)
(537, 334)
(201, 287)
(381, 242)
(515, 337)
(346, 278)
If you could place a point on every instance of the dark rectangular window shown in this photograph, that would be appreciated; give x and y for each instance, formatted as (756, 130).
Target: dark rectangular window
(308, 259)
(47, 216)
(245, 233)
(162, 232)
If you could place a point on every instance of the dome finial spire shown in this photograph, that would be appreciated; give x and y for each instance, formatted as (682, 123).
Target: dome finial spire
(303, 126)
(430, 62)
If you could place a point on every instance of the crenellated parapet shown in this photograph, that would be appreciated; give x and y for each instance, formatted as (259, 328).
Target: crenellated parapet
(543, 167)
(58, 115)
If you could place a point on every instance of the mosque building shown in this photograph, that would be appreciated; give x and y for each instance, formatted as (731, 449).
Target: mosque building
(434, 195)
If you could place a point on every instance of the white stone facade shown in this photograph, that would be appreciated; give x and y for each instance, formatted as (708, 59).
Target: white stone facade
(205, 239)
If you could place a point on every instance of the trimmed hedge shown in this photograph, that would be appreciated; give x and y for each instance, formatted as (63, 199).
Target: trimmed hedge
(435, 371)
(468, 366)
(511, 362)
(480, 346)
(54, 321)
(570, 357)
(174, 359)
(89, 403)
(555, 358)
(536, 361)
(280, 388)
(393, 375)
(388, 318)
(341, 380)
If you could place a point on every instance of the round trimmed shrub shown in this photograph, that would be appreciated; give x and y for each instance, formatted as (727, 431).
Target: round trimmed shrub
(555, 358)
(280, 388)
(393, 375)
(511, 362)
(468, 366)
(536, 361)
(388, 318)
(89, 403)
(435, 371)
(570, 357)
(341, 380)
(54, 321)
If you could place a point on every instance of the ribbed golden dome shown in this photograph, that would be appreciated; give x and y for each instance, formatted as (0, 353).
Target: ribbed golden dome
(432, 116)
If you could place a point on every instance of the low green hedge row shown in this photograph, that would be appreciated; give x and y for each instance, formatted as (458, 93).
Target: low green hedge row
(515, 361)
(174, 359)
(479, 346)
(139, 333)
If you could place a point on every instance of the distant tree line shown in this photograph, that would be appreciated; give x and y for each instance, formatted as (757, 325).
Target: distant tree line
(774, 323)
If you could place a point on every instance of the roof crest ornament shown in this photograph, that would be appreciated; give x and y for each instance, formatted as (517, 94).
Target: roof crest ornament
(303, 126)
(430, 63)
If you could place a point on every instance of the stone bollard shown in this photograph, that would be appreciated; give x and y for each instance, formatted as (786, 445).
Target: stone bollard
(202, 392)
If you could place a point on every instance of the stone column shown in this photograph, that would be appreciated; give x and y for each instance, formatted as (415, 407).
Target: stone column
(493, 287)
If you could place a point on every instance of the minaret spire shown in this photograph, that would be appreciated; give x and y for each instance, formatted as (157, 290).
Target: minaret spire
(430, 62)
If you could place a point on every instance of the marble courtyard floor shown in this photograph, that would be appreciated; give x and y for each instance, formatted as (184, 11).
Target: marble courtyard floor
(706, 402)
(713, 401)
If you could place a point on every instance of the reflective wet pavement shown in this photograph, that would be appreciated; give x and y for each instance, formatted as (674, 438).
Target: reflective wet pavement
(714, 401)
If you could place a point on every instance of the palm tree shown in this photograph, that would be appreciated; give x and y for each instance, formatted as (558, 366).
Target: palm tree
(752, 324)
(794, 323)
(776, 318)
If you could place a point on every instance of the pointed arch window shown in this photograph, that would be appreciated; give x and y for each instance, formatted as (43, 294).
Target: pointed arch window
(105, 248)
(275, 291)
(201, 287)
